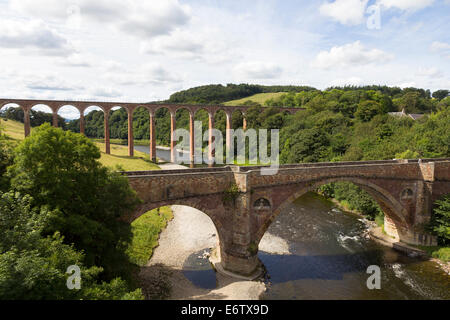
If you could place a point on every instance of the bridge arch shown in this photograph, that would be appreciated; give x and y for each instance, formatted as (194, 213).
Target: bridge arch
(391, 207)
(202, 206)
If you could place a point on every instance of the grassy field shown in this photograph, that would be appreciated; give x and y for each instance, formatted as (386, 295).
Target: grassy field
(117, 158)
(259, 98)
(146, 230)
(13, 129)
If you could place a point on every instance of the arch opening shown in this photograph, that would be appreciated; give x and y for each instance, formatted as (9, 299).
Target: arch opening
(70, 116)
(94, 121)
(41, 113)
(12, 118)
(188, 238)
(141, 126)
(382, 206)
(118, 126)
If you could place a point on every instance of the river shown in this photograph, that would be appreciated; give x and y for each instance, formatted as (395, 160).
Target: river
(330, 254)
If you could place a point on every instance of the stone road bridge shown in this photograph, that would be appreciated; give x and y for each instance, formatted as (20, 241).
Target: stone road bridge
(404, 189)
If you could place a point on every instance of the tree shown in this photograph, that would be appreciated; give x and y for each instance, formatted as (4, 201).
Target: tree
(367, 110)
(61, 170)
(33, 267)
(309, 145)
(440, 223)
(441, 94)
(6, 160)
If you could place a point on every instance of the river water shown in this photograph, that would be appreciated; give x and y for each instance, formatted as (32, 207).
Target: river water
(329, 256)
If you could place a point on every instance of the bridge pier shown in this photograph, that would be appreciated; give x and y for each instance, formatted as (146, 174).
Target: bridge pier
(191, 140)
(211, 153)
(26, 121)
(55, 119)
(106, 128)
(173, 127)
(152, 138)
(82, 122)
(241, 267)
(130, 134)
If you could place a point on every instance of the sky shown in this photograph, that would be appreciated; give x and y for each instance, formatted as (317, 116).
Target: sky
(141, 51)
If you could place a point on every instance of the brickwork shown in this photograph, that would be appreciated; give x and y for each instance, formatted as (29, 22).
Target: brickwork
(405, 190)
(106, 107)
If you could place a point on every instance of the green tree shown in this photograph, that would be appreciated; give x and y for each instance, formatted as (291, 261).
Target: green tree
(441, 94)
(440, 223)
(61, 170)
(33, 267)
(367, 110)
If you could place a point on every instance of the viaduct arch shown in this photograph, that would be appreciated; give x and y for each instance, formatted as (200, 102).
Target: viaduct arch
(405, 190)
(106, 107)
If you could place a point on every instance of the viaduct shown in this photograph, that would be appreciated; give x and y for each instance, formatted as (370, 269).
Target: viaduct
(106, 107)
(404, 189)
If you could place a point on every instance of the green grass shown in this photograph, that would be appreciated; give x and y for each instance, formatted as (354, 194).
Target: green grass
(438, 252)
(124, 142)
(119, 158)
(146, 230)
(260, 98)
(13, 129)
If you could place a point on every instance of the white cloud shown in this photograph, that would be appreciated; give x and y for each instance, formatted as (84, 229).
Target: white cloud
(352, 81)
(69, 112)
(352, 54)
(213, 46)
(134, 17)
(348, 12)
(182, 43)
(33, 35)
(258, 70)
(149, 74)
(429, 72)
(438, 46)
(106, 92)
(441, 48)
(406, 4)
(77, 60)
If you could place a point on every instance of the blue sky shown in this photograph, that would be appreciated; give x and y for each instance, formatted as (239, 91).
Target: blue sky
(132, 50)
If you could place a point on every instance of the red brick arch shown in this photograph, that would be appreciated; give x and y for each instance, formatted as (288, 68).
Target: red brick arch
(384, 198)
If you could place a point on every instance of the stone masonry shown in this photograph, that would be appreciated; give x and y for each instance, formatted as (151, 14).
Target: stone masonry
(404, 189)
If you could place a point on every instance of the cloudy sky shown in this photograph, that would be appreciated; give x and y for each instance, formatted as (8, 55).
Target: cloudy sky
(133, 50)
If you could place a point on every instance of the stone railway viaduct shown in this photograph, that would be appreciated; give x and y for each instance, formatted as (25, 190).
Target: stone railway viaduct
(106, 107)
(404, 189)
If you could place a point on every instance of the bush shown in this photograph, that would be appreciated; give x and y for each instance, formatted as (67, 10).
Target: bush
(440, 222)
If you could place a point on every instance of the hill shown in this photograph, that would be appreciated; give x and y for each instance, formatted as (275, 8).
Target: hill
(260, 98)
(217, 93)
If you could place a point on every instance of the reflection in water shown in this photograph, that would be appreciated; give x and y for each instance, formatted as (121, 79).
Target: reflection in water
(199, 271)
(330, 253)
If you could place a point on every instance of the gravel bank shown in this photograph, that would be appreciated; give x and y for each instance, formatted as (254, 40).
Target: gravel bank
(192, 231)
